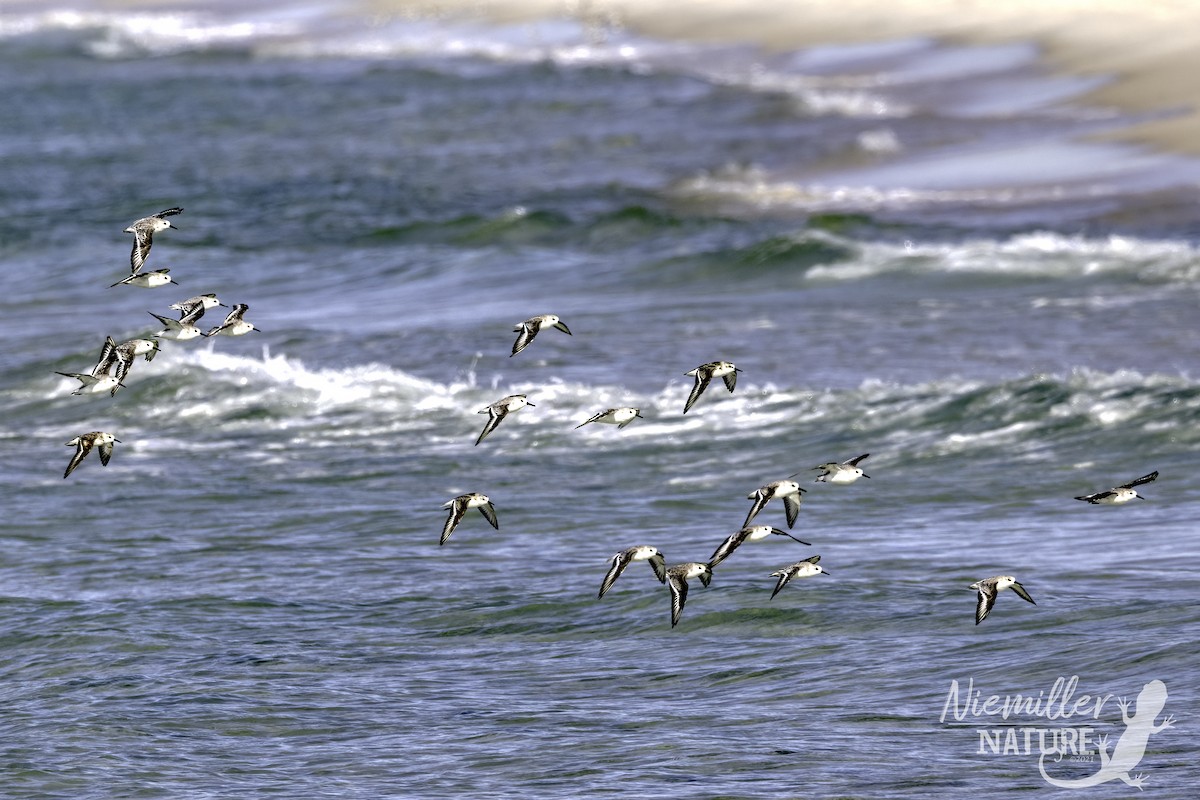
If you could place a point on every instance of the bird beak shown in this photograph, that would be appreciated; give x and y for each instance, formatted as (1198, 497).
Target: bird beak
(865, 475)
(118, 441)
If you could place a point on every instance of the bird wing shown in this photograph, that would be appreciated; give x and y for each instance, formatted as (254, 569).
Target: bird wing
(725, 548)
(1020, 590)
(458, 507)
(854, 461)
(785, 575)
(760, 499)
(1095, 498)
(143, 239)
(983, 606)
(489, 513)
(527, 332)
(702, 379)
(1141, 480)
(82, 446)
(592, 418)
(679, 590)
(791, 507)
(108, 354)
(730, 379)
(779, 532)
(658, 563)
(494, 418)
(619, 562)
(106, 451)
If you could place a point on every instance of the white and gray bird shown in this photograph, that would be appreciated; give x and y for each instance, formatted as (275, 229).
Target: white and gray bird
(233, 325)
(143, 231)
(751, 533)
(529, 328)
(93, 384)
(988, 588)
(623, 559)
(677, 578)
(460, 505)
(208, 300)
(614, 416)
(704, 375)
(842, 473)
(182, 329)
(1119, 494)
(148, 280)
(801, 569)
(500, 409)
(83, 444)
(787, 490)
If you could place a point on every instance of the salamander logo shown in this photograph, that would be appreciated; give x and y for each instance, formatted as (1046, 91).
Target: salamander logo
(1015, 725)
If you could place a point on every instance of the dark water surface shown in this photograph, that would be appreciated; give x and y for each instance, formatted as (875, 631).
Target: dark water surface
(903, 246)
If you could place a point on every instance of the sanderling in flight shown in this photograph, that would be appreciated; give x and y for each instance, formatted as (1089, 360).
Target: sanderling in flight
(111, 355)
(122, 356)
(752, 533)
(621, 560)
(530, 328)
(801, 569)
(83, 444)
(183, 328)
(208, 300)
(614, 416)
(704, 374)
(93, 384)
(1119, 494)
(845, 472)
(132, 348)
(233, 325)
(498, 410)
(677, 578)
(988, 588)
(458, 507)
(787, 490)
(148, 280)
(143, 231)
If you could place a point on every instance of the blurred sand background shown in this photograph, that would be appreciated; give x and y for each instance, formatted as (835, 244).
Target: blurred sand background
(1148, 49)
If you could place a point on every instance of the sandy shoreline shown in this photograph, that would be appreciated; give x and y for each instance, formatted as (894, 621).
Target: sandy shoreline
(1149, 48)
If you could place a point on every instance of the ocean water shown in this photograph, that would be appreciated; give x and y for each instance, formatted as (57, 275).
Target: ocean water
(922, 251)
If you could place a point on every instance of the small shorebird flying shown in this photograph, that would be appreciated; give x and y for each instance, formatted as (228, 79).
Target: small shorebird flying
(530, 328)
(233, 325)
(677, 578)
(148, 280)
(1119, 494)
(845, 472)
(83, 444)
(801, 569)
(93, 384)
(623, 559)
(143, 231)
(988, 588)
(208, 300)
(753, 533)
(614, 416)
(459, 506)
(498, 410)
(787, 490)
(182, 329)
(704, 374)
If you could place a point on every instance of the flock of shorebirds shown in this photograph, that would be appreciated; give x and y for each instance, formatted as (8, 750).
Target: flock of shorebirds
(116, 359)
(787, 491)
